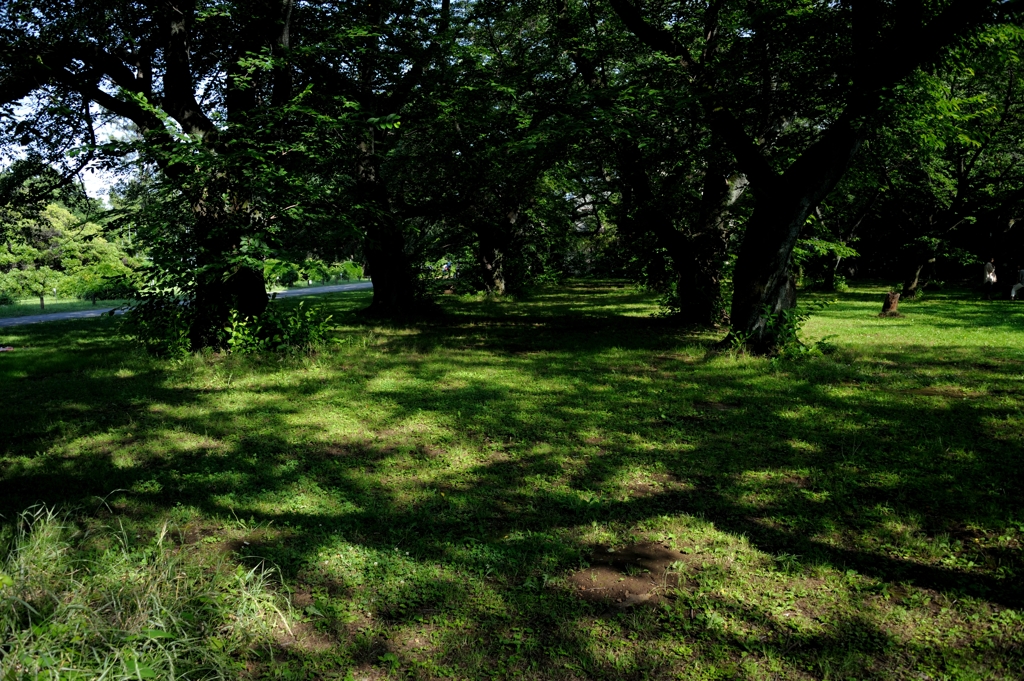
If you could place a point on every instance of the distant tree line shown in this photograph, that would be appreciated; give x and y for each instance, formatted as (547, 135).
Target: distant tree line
(718, 151)
(53, 242)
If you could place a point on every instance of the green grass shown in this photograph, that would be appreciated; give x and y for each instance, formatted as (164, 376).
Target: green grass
(440, 498)
(25, 307)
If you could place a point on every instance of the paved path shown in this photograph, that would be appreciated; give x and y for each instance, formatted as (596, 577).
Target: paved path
(85, 314)
(314, 290)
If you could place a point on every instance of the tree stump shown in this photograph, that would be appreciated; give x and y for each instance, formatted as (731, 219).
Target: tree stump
(889, 307)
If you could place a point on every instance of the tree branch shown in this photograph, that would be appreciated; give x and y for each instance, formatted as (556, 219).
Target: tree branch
(653, 36)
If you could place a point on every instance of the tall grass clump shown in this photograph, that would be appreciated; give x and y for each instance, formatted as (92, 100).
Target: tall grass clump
(81, 605)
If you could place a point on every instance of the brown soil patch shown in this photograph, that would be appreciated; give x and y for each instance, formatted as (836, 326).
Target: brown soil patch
(628, 576)
(643, 489)
(685, 359)
(409, 643)
(716, 406)
(303, 636)
(655, 484)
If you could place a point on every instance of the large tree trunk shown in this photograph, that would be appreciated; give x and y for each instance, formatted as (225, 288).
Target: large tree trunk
(221, 287)
(492, 260)
(394, 289)
(394, 283)
(764, 286)
(494, 243)
(763, 283)
(699, 286)
(699, 290)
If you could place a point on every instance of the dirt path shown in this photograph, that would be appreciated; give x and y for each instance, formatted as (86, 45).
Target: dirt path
(85, 314)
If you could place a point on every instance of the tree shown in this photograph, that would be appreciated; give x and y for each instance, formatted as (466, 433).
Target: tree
(208, 92)
(843, 59)
(55, 252)
(476, 168)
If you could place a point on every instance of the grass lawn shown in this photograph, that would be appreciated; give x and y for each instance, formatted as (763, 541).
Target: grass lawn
(560, 488)
(25, 307)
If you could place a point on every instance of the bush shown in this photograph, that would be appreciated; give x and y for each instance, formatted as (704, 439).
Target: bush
(348, 271)
(161, 324)
(289, 277)
(782, 331)
(279, 329)
(90, 606)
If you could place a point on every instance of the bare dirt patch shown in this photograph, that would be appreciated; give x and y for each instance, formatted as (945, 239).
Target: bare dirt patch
(303, 636)
(654, 484)
(409, 643)
(628, 576)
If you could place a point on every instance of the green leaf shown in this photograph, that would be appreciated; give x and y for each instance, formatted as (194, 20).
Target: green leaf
(156, 633)
(139, 671)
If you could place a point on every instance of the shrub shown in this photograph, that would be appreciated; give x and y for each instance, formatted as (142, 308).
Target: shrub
(279, 329)
(348, 271)
(289, 277)
(782, 332)
(161, 324)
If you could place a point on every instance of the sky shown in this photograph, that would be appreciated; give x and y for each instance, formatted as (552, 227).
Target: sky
(97, 181)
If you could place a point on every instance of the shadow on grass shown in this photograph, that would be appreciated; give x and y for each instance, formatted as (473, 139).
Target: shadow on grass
(489, 440)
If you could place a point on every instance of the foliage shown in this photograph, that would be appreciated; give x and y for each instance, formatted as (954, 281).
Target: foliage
(528, 142)
(162, 323)
(55, 252)
(286, 273)
(939, 189)
(279, 329)
(783, 331)
(348, 271)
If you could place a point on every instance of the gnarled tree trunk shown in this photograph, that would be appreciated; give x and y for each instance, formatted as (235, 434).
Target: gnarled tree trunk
(221, 286)
(494, 243)
(394, 291)
(763, 283)
(492, 260)
(764, 286)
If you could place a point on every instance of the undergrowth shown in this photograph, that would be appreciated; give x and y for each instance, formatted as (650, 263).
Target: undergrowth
(100, 604)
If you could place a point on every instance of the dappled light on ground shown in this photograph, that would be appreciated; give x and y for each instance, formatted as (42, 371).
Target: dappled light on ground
(433, 493)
